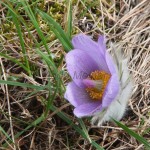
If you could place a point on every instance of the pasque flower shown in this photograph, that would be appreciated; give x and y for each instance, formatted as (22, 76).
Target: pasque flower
(101, 84)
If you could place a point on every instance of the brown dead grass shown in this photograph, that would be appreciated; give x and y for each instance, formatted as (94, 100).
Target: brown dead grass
(125, 23)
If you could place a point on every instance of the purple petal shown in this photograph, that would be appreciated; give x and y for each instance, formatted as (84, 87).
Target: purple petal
(111, 91)
(88, 109)
(111, 65)
(96, 51)
(80, 65)
(108, 58)
(76, 95)
(102, 44)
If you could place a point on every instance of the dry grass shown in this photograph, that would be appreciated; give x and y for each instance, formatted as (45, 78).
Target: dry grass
(125, 23)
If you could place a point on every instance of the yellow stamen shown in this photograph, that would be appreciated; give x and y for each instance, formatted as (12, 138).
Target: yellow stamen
(94, 92)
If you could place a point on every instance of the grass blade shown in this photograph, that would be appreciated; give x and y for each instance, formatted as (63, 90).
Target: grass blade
(69, 19)
(58, 31)
(133, 134)
(84, 129)
(23, 85)
(80, 131)
(33, 124)
(18, 29)
(3, 131)
(35, 23)
(14, 60)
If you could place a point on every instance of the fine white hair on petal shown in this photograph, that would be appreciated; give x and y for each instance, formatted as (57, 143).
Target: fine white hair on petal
(117, 108)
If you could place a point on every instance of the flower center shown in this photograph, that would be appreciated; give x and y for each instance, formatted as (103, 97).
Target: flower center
(100, 80)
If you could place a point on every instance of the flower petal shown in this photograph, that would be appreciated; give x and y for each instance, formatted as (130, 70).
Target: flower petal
(111, 91)
(88, 109)
(102, 44)
(76, 95)
(111, 65)
(80, 65)
(84, 43)
(108, 58)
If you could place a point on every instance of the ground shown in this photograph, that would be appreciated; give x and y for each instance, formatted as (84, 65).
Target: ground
(34, 113)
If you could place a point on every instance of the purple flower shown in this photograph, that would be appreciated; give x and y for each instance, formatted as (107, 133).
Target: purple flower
(95, 77)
